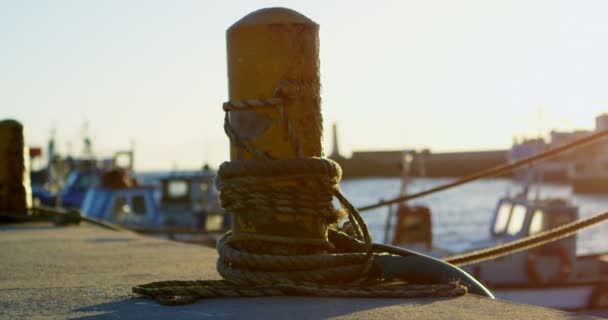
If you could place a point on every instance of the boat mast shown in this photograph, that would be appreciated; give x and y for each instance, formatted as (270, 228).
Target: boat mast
(406, 162)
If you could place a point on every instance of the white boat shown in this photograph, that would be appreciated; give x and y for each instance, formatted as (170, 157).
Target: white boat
(551, 275)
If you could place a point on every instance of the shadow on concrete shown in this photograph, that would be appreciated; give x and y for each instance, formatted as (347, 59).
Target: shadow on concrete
(251, 308)
(12, 225)
(112, 239)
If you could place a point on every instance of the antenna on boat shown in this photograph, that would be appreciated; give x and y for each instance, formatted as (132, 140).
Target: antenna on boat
(87, 151)
(51, 151)
(406, 162)
(538, 171)
(132, 153)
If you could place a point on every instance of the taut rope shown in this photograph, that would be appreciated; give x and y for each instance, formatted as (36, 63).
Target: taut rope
(526, 243)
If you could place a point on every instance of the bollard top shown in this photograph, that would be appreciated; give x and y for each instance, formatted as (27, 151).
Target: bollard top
(276, 15)
(10, 123)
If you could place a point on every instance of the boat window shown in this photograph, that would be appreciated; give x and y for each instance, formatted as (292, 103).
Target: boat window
(518, 216)
(139, 205)
(86, 181)
(204, 187)
(120, 208)
(502, 217)
(177, 189)
(536, 225)
(123, 160)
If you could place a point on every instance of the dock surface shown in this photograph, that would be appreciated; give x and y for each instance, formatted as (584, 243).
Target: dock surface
(86, 272)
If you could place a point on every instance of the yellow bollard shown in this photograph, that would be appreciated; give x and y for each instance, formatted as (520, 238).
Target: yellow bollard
(275, 109)
(279, 191)
(274, 53)
(15, 188)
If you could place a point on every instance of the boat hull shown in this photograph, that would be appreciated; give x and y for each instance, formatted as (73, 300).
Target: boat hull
(572, 297)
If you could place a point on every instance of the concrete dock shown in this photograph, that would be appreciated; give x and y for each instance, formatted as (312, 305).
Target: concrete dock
(86, 272)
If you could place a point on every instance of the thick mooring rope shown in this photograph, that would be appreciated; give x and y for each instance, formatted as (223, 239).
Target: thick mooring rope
(185, 292)
(256, 264)
(247, 186)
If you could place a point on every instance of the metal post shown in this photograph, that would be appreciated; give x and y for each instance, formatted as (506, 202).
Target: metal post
(15, 188)
(273, 66)
(274, 53)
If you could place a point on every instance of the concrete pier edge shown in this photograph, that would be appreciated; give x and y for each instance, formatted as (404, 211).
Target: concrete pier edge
(86, 272)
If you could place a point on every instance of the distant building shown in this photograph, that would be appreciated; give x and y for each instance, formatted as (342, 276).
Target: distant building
(589, 169)
(567, 166)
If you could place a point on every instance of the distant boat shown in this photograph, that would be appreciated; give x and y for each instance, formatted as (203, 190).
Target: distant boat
(65, 181)
(188, 209)
(76, 186)
(551, 275)
(191, 200)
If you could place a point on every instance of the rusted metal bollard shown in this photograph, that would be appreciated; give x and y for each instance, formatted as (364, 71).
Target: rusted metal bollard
(15, 188)
(274, 54)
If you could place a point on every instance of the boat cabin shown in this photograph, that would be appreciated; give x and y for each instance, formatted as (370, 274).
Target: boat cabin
(519, 217)
(133, 206)
(191, 200)
(516, 218)
(118, 198)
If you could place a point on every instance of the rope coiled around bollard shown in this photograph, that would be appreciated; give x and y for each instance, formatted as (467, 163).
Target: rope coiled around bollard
(254, 264)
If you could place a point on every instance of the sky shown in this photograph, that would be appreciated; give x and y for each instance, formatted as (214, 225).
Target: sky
(445, 75)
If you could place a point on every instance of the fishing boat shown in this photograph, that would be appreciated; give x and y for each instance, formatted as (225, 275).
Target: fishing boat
(551, 275)
(188, 209)
(119, 199)
(68, 180)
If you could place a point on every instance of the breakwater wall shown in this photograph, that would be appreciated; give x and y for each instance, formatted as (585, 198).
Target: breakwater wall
(424, 164)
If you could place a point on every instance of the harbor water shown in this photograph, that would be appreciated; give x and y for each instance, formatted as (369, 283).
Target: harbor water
(463, 215)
